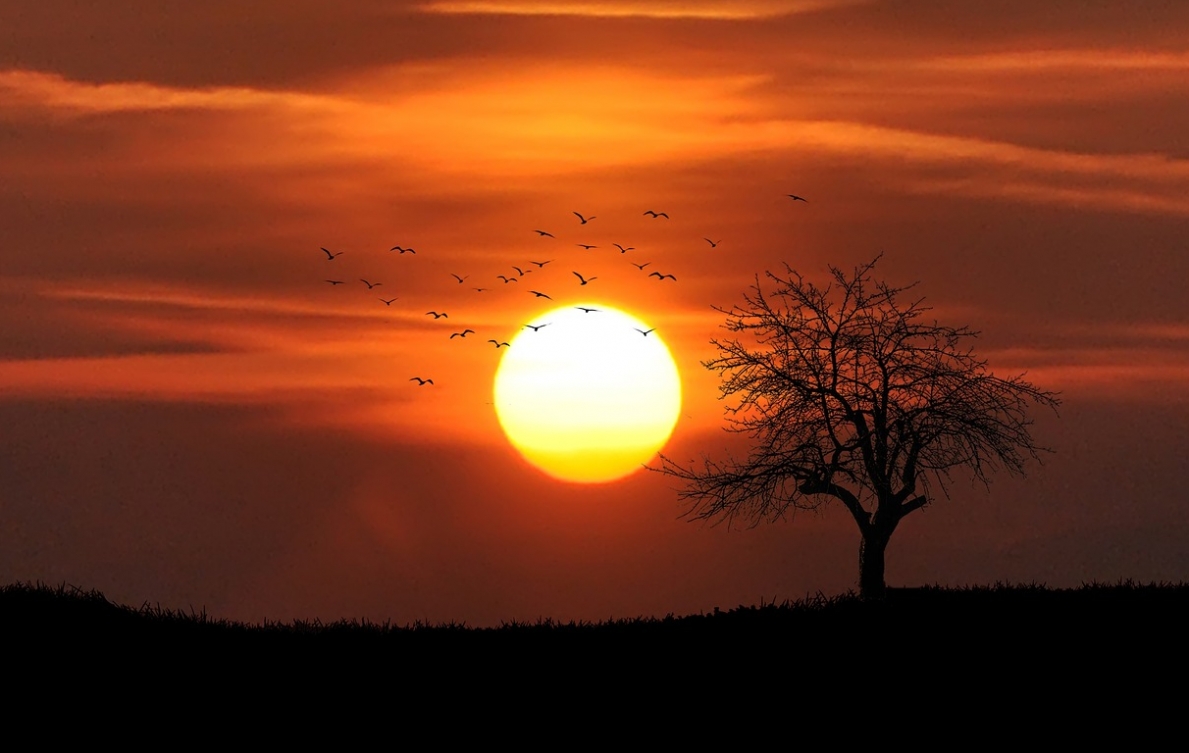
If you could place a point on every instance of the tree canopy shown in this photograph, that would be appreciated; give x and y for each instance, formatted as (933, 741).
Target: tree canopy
(852, 394)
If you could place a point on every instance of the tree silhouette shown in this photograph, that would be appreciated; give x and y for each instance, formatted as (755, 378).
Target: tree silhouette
(850, 395)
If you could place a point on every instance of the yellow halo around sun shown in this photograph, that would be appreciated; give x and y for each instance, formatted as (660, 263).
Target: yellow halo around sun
(587, 396)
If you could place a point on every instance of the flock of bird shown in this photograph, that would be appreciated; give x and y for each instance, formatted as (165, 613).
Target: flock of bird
(522, 272)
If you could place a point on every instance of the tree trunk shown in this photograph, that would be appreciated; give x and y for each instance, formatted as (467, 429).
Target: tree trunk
(871, 559)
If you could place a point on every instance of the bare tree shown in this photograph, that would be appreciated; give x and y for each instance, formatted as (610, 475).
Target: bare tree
(850, 395)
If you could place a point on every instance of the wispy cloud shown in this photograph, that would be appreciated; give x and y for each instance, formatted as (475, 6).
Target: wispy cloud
(21, 89)
(1047, 60)
(452, 120)
(706, 9)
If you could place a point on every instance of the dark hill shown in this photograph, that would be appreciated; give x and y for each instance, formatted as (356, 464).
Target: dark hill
(1021, 648)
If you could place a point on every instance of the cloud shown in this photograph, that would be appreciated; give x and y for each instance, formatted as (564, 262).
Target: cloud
(1046, 60)
(550, 122)
(661, 9)
(22, 89)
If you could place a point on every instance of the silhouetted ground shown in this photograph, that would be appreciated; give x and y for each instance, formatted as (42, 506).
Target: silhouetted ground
(999, 658)
(1006, 660)
(1024, 618)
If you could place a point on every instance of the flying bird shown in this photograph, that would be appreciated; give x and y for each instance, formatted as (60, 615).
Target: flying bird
(388, 301)
(583, 280)
(660, 276)
(539, 263)
(507, 279)
(584, 309)
(644, 331)
(640, 266)
(583, 219)
(480, 290)
(464, 333)
(536, 327)
(370, 285)
(497, 344)
(797, 198)
(521, 272)
(543, 234)
(713, 244)
(335, 282)
(330, 256)
(421, 382)
(540, 295)
(623, 250)
(436, 315)
(585, 246)
(402, 249)
(460, 279)
(657, 214)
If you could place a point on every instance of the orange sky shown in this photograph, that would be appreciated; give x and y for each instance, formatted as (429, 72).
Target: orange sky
(193, 416)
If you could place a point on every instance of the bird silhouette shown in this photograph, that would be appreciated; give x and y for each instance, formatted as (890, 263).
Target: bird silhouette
(521, 272)
(544, 234)
(644, 331)
(480, 290)
(335, 282)
(797, 198)
(507, 279)
(497, 344)
(585, 246)
(657, 214)
(436, 315)
(460, 279)
(713, 244)
(582, 279)
(583, 219)
(539, 263)
(370, 285)
(540, 295)
(421, 382)
(623, 250)
(330, 256)
(660, 276)
(402, 249)
(388, 301)
(536, 327)
(464, 333)
(640, 266)
(584, 309)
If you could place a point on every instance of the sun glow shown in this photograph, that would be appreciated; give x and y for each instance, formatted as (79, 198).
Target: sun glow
(587, 396)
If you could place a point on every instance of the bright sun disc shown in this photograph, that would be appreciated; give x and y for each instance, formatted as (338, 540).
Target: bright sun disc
(587, 397)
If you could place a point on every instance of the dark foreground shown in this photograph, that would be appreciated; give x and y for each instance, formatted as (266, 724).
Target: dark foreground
(1101, 641)
(920, 621)
(1017, 651)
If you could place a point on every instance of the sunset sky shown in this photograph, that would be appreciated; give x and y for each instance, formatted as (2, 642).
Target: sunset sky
(190, 415)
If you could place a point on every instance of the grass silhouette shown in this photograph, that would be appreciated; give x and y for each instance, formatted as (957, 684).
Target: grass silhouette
(65, 610)
(1099, 643)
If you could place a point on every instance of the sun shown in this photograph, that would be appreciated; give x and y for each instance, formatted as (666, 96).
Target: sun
(586, 395)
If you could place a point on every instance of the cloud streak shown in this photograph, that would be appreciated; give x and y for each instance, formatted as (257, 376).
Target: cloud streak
(583, 119)
(657, 9)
